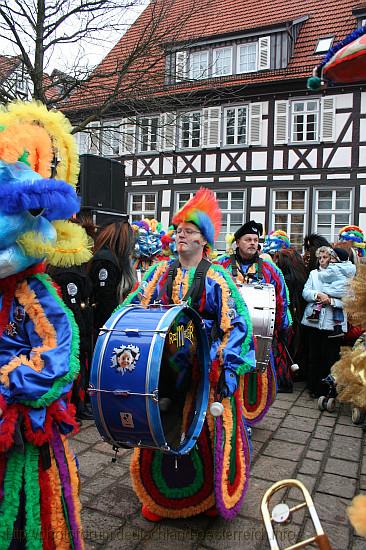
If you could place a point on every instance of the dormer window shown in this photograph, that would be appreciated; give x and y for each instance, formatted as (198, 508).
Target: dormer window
(198, 65)
(222, 61)
(324, 44)
(247, 58)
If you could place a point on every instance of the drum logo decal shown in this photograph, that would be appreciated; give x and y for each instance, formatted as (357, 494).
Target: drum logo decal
(127, 420)
(124, 358)
(181, 334)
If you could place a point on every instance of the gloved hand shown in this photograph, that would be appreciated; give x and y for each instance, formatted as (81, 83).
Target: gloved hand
(227, 383)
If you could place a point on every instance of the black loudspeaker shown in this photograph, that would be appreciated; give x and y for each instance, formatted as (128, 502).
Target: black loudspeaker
(102, 184)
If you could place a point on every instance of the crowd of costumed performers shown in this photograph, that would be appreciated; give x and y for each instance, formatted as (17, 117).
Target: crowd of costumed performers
(39, 340)
(248, 266)
(148, 245)
(213, 478)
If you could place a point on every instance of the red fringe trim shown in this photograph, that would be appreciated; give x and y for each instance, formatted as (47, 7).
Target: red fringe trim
(55, 413)
(233, 487)
(7, 428)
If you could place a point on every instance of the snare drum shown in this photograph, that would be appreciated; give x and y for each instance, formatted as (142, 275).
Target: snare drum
(142, 355)
(261, 302)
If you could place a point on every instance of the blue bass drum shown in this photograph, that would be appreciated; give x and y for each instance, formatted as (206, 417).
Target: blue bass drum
(149, 378)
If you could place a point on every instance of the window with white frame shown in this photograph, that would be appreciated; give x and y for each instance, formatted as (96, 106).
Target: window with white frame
(142, 205)
(289, 213)
(149, 128)
(198, 65)
(111, 138)
(236, 125)
(333, 210)
(222, 61)
(247, 57)
(305, 120)
(190, 126)
(232, 205)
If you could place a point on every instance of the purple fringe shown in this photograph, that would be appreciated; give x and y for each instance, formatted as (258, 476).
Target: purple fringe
(59, 451)
(228, 513)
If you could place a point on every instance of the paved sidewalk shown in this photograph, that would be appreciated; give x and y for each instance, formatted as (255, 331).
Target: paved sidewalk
(324, 451)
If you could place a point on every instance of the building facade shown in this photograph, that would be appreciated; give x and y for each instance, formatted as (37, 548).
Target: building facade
(242, 122)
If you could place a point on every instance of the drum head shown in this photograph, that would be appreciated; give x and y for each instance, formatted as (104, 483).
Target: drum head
(180, 380)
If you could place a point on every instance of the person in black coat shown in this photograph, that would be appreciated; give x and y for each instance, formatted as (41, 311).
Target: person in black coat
(110, 270)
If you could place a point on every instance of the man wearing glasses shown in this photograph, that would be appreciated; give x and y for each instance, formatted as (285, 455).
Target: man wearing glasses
(193, 488)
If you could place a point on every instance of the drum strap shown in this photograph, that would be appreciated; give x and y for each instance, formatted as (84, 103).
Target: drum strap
(235, 267)
(196, 290)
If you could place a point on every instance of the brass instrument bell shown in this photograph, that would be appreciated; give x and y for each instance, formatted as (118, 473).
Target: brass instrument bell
(281, 513)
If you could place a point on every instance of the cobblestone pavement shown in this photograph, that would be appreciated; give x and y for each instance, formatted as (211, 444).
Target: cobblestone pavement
(323, 450)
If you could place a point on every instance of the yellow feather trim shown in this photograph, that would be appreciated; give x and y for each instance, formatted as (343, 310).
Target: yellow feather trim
(73, 247)
(58, 128)
(357, 514)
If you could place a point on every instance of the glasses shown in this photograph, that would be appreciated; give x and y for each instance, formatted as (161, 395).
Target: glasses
(182, 231)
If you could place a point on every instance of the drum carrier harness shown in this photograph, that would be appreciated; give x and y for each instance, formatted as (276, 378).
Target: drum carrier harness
(235, 268)
(195, 291)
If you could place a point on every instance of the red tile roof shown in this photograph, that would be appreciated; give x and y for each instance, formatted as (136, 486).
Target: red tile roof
(8, 64)
(216, 17)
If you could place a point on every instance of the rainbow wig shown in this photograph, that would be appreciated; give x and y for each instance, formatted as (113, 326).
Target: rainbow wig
(276, 240)
(202, 210)
(355, 236)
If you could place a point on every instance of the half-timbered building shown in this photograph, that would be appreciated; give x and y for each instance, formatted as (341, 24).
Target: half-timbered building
(233, 113)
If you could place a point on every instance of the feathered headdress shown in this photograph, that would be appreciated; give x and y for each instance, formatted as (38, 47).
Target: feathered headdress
(202, 210)
(39, 166)
(276, 240)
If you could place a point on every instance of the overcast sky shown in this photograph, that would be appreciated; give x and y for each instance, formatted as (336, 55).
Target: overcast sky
(64, 56)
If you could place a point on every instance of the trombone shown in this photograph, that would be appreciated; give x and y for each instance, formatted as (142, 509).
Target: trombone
(281, 513)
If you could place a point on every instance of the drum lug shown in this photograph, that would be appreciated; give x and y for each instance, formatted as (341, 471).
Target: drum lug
(155, 396)
(91, 390)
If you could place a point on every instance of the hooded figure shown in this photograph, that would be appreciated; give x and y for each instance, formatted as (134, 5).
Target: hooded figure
(38, 336)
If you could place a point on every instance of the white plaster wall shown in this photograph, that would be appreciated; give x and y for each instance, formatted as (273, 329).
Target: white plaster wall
(362, 220)
(128, 167)
(164, 218)
(210, 163)
(362, 157)
(258, 197)
(340, 121)
(259, 160)
(363, 196)
(168, 165)
(166, 198)
(341, 159)
(278, 160)
(363, 103)
(344, 101)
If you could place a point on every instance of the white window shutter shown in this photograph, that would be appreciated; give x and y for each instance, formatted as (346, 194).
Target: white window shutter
(181, 62)
(211, 127)
(264, 53)
(255, 123)
(168, 131)
(281, 122)
(128, 130)
(327, 119)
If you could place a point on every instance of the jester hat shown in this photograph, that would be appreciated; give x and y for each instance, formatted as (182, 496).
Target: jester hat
(275, 240)
(355, 236)
(203, 210)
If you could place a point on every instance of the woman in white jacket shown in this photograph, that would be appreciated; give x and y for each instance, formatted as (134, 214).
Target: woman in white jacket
(323, 350)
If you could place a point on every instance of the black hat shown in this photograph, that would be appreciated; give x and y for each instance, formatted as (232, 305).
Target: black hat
(249, 228)
(341, 253)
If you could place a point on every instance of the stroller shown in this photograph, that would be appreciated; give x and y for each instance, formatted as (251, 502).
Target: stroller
(327, 401)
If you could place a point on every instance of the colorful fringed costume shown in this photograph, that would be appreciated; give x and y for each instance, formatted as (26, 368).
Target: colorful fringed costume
(216, 472)
(260, 388)
(39, 341)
